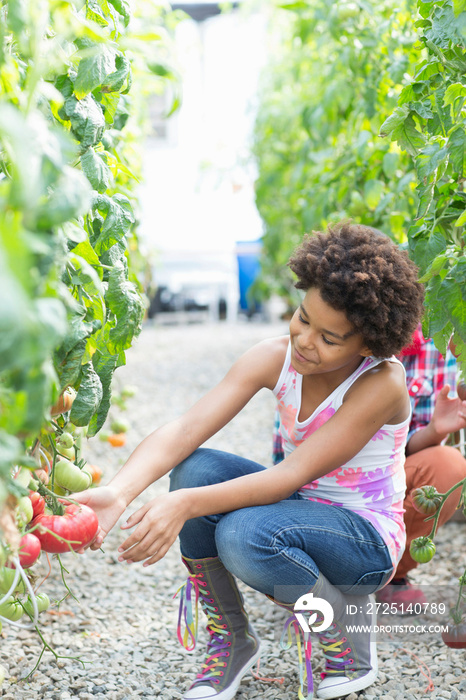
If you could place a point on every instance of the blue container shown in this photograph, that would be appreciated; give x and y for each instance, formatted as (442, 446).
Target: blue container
(247, 254)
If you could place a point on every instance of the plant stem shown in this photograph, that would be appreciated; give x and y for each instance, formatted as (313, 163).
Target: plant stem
(445, 495)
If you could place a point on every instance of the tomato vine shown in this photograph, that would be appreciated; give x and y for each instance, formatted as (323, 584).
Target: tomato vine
(361, 115)
(72, 123)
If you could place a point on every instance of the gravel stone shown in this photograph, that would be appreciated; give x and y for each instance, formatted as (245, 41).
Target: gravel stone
(124, 626)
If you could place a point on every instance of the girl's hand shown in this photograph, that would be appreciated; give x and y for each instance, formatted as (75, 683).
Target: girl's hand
(107, 504)
(158, 524)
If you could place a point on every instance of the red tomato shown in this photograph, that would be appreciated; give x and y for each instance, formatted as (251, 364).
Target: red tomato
(77, 528)
(38, 503)
(455, 636)
(29, 550)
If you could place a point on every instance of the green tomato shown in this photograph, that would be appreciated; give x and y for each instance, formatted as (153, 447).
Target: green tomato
(426, 499)
(422, 549)
(71, 477)
(11, 609)
(24, 511)
(65, 440)
(42, 601)
(7, 576)
(120, 426)
(67, 452)
(23, 477)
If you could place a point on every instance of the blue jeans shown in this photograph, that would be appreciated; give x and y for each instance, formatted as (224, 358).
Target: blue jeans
(284, 544)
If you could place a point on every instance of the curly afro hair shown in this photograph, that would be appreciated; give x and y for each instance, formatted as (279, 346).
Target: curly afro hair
(360, 271)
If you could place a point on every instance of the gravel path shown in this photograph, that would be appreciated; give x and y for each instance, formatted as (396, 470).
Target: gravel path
(123, 626)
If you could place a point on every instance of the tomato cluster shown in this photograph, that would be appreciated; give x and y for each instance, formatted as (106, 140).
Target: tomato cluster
(46, 518)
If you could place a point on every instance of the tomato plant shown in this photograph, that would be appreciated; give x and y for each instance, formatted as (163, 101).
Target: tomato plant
(71, 127)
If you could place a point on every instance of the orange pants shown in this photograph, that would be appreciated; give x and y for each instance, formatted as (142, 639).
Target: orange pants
(441, 467)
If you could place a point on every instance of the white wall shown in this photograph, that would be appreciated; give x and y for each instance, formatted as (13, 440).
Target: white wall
(197, 196)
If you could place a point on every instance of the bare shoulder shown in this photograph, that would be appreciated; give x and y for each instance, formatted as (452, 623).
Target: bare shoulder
(385, 382)
(263, 361)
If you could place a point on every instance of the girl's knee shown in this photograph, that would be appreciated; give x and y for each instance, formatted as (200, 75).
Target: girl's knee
(241, 547)
(191, 472)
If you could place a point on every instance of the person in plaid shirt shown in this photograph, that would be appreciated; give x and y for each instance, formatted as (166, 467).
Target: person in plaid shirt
(431, 381)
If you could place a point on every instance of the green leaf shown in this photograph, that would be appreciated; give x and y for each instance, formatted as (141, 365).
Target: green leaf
(125, 302)
(96, 169)
(69, 198)
(96, 64)
(69, 368)
(105, 365)
(87, 119)
(73, 232)
(123, 8)
(87, 253)
(115, 81)
(461, 220)
(453, 92)
(459, 6)
(425, 248)
(451, 294)
(118, 220)
(88, 398)
(442, 338)
(457, 150)
(429, 159)
(69, 355)
(426, 195)
(394, 121)
(408, 137)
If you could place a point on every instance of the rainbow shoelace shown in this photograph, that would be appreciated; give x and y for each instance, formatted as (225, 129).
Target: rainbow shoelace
(332, 642)
(306, 683)
(218, 645)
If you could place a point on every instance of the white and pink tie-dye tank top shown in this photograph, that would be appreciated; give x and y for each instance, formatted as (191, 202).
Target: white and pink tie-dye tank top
(373, 482)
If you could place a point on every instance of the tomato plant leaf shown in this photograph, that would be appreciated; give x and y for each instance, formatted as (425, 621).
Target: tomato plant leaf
(408, 137)
(115, 81)
(457, 149)
(459, 6)
(452, 295)
(394, 121)
(88, 397)
(122, 7)
(105, 365)
(87, 120)
(125, 302)
(95, 65)
(117, 223)
(96, 169)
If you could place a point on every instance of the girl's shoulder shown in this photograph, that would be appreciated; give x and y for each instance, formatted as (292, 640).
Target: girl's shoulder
(386, 379)
(266, 359)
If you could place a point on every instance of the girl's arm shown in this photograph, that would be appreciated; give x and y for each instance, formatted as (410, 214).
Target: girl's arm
(374, 400)
(170, 444)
